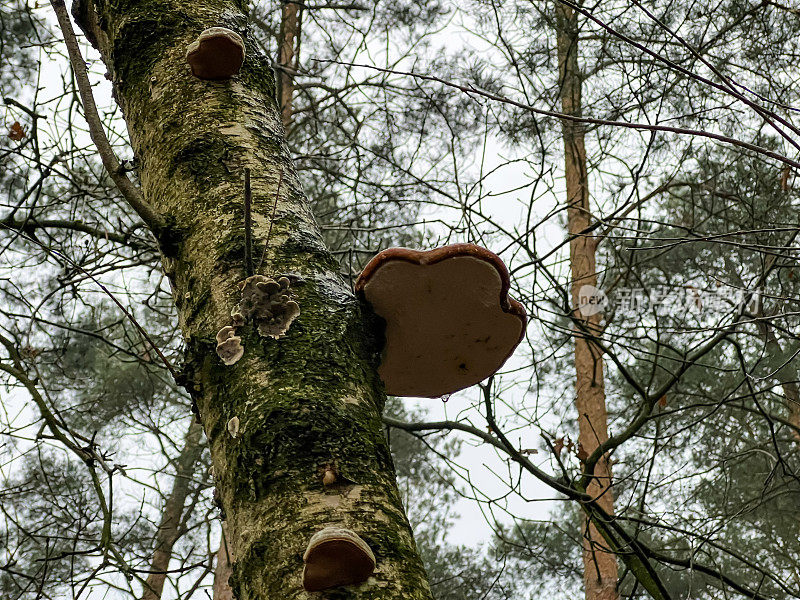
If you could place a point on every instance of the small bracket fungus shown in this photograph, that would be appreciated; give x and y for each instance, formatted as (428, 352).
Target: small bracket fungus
(268, 303)
(449, 320)
(229, 345)
(233, 427)
(334, 557)
(217, 53)
(265, 302)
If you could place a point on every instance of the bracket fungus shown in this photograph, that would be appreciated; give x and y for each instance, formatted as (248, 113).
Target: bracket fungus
(233, 427)
(449, 320)
(336, 556)
(265, 302)
(217, 53)
(229, 345)
(329, 476)
(268, 303)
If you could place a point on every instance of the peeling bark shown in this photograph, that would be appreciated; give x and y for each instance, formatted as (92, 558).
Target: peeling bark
(169, 530)
(600, 567)
(309, 399)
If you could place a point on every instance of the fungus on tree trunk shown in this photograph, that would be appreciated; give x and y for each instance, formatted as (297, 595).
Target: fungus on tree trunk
(449, 320)
(217, 53)
(229, 345)
(233, 427)
(265, 302)
(336, 557)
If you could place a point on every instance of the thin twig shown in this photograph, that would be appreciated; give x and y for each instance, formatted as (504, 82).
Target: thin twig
(248, 225)
(127, 313)
(472, 90)
(130, 192)
(31, 113)
(271, 220)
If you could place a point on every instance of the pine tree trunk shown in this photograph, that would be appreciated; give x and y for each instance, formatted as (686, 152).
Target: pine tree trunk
(222, 570)
(786, 373)
(169, 529)
(288, 51)
(600, 568)
(305, 401)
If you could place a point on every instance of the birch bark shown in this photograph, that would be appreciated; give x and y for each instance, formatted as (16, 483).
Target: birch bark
(306, 401)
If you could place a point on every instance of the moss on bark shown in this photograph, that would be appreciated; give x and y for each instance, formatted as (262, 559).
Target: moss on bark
(305, 401)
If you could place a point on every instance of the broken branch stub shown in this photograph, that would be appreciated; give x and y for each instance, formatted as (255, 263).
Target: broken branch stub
(449, 320)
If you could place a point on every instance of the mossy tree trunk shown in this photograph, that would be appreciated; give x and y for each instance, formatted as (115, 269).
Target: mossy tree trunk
(599, 565)
(306, 401)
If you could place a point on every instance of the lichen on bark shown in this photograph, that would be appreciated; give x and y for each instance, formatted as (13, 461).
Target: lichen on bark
(309, 399)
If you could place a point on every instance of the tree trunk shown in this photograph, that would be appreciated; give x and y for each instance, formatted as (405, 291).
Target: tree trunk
(288, 57)
(600, 567)
(288, 52)
(222, 570)
(786, 373)
(169, 529)
(306, 401)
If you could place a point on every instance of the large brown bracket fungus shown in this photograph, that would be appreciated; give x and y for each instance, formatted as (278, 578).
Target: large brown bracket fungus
(449, 320)
(266, 303)
(336, 557)
(217, 53)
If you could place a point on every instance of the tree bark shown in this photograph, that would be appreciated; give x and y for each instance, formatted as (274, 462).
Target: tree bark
(600, 567)
(288, 53)
(169, 530)
(222, 570)
(786, 373)
(305, 401)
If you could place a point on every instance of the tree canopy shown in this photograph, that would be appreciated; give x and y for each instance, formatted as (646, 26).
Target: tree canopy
(633, 164)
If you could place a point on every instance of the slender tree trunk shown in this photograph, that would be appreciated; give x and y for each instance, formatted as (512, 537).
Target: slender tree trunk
(169, 529)
(288, 53)
(784, 364)
(305, 401)
(600, 567)
(223, 570)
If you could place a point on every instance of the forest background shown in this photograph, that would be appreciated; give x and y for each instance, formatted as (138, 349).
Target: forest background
(645, 149)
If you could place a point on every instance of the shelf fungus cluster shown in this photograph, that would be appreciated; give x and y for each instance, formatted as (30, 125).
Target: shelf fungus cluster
(229, 345)
(217, 53)
(267, 304)
(334, 557)
(449, 320)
